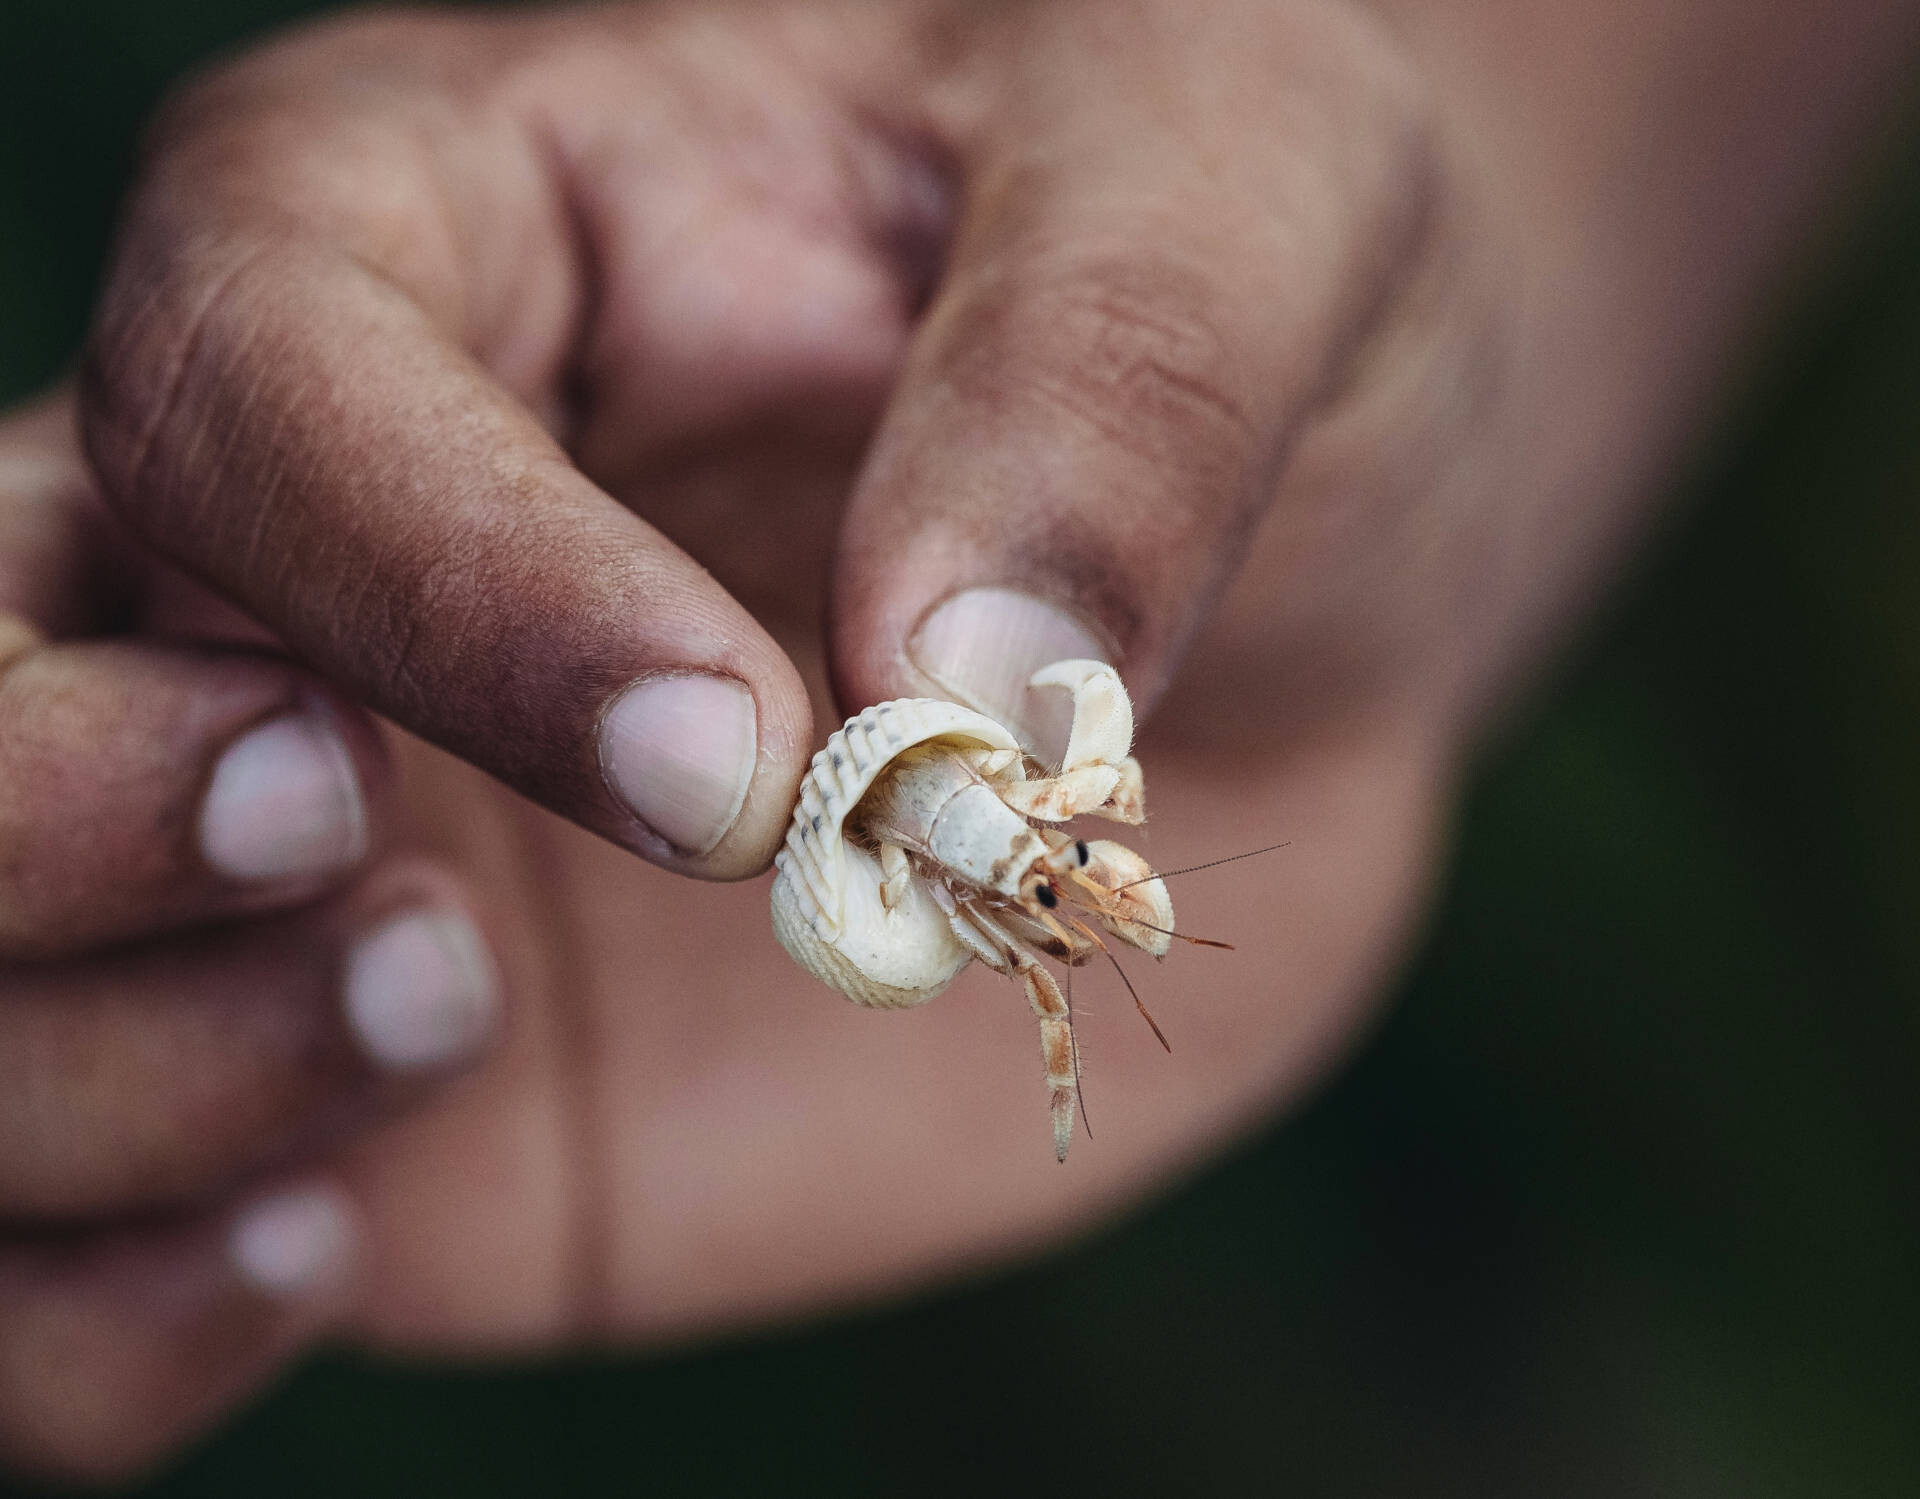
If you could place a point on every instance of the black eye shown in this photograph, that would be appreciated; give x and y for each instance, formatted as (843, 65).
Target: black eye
(1085, 857)
(1044, 894)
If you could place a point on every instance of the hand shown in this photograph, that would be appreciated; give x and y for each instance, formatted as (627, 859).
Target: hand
(510, 373)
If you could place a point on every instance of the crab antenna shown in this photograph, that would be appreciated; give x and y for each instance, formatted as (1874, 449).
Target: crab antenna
(1086, 931)
(1079, 877)
(1094, 937)
(1079, 1089)
(1196, 868)
(1046, 920)
(1165, 931)
(1139, 1004)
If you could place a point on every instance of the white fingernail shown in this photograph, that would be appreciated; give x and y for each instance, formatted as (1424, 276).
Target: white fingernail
(421, 991)
(293, 1243)
(981, 646)
(283, 803)
(680, 752)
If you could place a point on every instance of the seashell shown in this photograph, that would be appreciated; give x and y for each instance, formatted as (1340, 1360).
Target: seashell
(921, 843)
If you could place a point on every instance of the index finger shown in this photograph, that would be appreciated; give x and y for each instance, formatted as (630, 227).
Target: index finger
(284, 395)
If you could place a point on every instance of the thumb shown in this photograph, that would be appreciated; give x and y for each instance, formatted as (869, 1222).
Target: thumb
(1154, 282)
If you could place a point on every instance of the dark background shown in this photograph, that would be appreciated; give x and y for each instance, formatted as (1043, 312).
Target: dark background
(1621, 1200)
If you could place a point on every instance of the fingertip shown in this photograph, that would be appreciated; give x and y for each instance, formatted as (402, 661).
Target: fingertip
(297, 1246)
(680, 752)
(285, 802)
(148, 787)
(422, 993)
(706, 765)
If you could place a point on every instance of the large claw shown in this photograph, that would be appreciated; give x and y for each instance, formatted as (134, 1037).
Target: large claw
(1069, 794)
(1102, 731)
(1098, 776)
(1128, 801)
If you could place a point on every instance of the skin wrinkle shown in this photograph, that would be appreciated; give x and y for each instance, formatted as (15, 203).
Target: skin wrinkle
(432, 591)
(270, 468)
(267, 486)
(324, 194)
(104, 376)
(1124, 360)
(417, 149)
(590, 257)
(1445, 351)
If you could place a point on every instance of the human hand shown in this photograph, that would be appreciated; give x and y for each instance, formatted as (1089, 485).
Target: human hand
(414, 318)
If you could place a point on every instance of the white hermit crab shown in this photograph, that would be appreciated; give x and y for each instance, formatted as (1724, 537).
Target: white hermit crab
(914, 850)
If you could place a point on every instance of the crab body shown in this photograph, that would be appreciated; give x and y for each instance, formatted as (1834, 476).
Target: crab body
(921, 842)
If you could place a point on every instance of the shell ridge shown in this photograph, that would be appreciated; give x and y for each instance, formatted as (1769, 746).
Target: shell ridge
(804, 846)
(812, 865)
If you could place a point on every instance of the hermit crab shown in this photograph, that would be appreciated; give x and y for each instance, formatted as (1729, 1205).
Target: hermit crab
(924, 838)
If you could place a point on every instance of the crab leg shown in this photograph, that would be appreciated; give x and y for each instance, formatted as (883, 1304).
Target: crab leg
(1057, 1049)
(895, 871)
(979, 943)
(1097, 777)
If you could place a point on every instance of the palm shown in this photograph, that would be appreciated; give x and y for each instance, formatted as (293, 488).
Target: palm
(684, 1129)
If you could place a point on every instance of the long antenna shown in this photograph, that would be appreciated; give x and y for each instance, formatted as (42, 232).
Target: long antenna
(1196, 868)
(1167, 931)
(1073, 1041)
(1125, 920)
(1159, 1035)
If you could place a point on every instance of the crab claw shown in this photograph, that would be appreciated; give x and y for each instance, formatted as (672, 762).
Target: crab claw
(1128, 800)
(1135, 905)
(1102, 716)
(1098, 777)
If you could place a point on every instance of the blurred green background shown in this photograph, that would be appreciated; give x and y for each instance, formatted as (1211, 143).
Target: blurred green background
(1620, 1201)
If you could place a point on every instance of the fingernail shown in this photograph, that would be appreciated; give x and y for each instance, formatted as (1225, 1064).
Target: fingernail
(283, 802)
(680, 752)
(421, 991)
(293, 1243)
(981, 646)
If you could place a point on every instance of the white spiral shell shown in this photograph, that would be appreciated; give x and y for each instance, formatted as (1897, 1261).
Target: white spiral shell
(826, 892)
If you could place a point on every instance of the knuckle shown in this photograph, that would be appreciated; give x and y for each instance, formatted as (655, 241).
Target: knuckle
(1133, 348)
(168, 359)
(343, 133)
